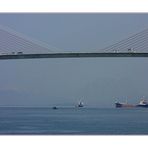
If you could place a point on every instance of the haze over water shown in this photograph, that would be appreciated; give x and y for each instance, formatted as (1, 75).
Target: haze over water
(29, 88)
(98, 81)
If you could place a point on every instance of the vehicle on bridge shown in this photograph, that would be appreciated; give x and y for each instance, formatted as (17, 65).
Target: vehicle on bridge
(20, 52)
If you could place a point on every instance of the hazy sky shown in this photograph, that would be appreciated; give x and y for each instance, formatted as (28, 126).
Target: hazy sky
(98, 81)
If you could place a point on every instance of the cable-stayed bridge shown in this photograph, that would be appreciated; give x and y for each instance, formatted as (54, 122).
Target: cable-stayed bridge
(14, 45)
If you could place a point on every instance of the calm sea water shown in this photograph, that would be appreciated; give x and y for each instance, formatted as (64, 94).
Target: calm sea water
(74, 121)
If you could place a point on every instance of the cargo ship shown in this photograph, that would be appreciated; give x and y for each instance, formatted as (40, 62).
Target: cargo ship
(124, 105)
(143, 103)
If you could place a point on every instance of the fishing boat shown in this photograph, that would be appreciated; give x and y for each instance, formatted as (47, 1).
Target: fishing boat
(80, 104)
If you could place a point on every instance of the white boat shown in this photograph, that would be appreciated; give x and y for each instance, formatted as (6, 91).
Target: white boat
(80, 104)
(143, 103)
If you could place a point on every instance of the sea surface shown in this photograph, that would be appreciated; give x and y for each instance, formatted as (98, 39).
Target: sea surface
(73, 121)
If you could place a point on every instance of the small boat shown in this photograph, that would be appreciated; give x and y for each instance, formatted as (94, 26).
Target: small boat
(54, 107)
(80, 104)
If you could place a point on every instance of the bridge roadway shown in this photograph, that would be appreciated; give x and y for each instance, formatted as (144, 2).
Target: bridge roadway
(71, 55)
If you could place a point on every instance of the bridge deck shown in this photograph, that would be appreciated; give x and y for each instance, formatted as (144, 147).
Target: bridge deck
(71, 55)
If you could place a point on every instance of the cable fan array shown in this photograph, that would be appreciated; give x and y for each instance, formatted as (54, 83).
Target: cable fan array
(12, 42)
(135, 43)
